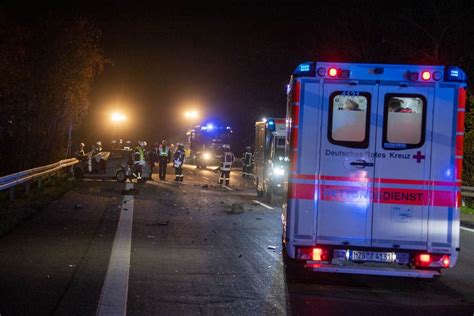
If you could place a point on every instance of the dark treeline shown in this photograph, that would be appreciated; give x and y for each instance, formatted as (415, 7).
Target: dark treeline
(46, 72)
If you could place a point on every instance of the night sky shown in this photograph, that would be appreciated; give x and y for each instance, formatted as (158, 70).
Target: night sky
(232, 60)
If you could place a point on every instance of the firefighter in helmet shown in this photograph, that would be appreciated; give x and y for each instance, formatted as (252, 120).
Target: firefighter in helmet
(138, 159)
(164, 157)
(247, 159)
(178, 161)
(226, 165)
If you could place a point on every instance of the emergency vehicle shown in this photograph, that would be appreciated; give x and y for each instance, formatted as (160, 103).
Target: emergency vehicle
(206, 143)
(270, 159)
(375, 168)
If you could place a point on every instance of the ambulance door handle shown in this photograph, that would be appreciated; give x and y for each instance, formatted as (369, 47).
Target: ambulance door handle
(362, 164)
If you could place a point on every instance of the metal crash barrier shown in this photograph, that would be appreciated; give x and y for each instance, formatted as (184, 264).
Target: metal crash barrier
(36, 174)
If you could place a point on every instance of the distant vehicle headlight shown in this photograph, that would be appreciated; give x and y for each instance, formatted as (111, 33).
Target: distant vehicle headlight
(206, 156)
(278, 171)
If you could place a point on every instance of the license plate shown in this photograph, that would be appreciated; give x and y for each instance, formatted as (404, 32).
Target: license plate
(372, 256)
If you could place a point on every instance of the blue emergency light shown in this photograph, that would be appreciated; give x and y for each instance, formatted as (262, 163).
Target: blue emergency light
(305, 69)
(271, 125)
(454, 74)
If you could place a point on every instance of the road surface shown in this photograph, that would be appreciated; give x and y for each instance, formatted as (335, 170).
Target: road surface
(191, 248)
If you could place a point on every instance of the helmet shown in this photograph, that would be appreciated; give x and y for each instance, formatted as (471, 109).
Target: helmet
(83, 145)
(99, 143)
(163, 142)
(248, 148)
(181, 146)
(141, 143)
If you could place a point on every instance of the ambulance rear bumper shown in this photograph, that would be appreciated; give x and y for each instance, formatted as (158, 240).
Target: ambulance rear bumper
(329, 268)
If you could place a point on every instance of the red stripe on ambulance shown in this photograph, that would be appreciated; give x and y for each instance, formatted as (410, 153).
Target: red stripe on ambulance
(351, 194)
(376, 180)
(296, 92)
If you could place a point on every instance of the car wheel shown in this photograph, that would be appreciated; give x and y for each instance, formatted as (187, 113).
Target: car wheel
(121, 176)
(78, 173)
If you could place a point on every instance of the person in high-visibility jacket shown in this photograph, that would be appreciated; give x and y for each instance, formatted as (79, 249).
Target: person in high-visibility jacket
(178, 161)
(138, 158)
(226, 165)
(164, 157)
(247, 159)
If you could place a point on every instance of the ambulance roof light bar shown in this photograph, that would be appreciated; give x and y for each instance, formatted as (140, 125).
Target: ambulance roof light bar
(307, 69)
(453, 73)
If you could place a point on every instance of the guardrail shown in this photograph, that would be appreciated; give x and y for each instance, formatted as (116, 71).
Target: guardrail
(467, 191)
(36, 174)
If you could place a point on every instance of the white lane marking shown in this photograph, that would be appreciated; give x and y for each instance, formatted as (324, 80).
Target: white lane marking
(468, 229)
(113, 298)
(230, 189)
(263, 204)
(207, 179)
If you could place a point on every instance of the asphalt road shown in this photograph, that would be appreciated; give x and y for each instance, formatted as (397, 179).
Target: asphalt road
(196, 248)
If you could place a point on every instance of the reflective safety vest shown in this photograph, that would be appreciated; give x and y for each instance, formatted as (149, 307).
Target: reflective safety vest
(163, 151)
(247, 158)
(227, 161)
(139, 155)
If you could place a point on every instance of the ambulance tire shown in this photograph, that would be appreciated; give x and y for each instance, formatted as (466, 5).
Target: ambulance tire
(295, 270)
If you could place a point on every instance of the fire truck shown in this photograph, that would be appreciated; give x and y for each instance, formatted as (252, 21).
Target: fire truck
(206, 143)
(270, 159)
(375, 168)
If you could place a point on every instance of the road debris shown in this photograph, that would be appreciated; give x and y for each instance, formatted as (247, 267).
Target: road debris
(159, 224)
(77, 206)
(271, 247)
(237, 208)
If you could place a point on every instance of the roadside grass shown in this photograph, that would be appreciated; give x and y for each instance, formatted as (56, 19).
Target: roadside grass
(13, 213)
(467, 210)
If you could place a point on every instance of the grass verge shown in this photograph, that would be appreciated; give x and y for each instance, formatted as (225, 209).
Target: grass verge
(467, 210)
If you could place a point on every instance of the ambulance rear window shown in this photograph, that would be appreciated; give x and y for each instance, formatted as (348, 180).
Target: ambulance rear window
(404, 121)
(349, 114)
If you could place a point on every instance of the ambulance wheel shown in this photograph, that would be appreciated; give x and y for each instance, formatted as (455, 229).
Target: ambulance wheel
(78, 173)
(121, 176)
(294, 269)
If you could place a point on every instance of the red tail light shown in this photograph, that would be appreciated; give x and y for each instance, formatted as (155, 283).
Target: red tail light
(425, 258)
(314, 254)
(432, 260)
(332, 72)
(445, 261)
(317, 254)
(426, 75)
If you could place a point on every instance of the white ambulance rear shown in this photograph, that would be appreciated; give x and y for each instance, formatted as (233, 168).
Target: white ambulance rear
(375, 168)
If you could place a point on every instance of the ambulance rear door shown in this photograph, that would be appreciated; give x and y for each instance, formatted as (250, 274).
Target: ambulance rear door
(402, 166)
(344, 184)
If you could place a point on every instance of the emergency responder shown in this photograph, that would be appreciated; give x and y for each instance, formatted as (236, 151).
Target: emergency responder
(138, 157)
(178, 161)
(80, 153)
(96, 149)
(247, 159)
(164, 157)
(226, 165)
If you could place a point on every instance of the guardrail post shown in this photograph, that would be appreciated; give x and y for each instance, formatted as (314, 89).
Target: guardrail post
(12, 193)
(27, 187)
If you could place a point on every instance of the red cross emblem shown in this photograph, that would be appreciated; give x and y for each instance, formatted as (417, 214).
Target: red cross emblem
(418, 157)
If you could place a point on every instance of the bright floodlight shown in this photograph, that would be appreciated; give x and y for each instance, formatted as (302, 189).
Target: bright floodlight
(191, 114)
(118, 117)
(264, 120)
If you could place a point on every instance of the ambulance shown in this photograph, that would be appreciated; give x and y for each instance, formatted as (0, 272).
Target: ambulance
(269, 157)
(375, 168)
